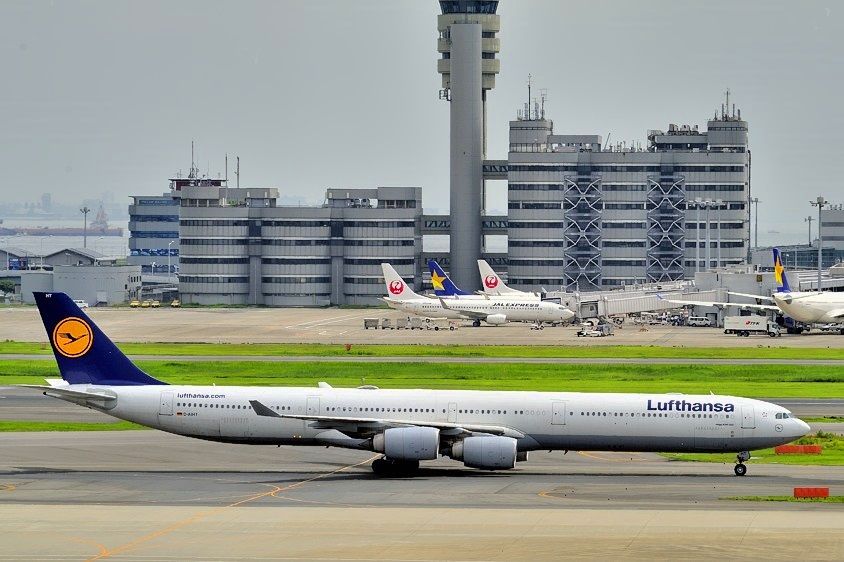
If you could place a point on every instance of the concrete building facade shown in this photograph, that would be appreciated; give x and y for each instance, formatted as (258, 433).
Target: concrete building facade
(154, 232)
(239, 247)
(584, 216)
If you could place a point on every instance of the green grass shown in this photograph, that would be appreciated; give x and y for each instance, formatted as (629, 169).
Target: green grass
(403, 350)
(831, 499)
(826, 419)
(741, 380)
(833, 453)
(66, 426)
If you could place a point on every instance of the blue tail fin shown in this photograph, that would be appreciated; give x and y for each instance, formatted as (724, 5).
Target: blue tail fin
(779, 273)
(84, 354)
(443, 286)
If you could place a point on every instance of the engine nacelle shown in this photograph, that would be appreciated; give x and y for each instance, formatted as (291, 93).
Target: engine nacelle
(487, 453)
(496, 319)
(408, 443)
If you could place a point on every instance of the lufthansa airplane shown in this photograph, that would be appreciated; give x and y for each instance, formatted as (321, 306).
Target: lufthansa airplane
(488, 430)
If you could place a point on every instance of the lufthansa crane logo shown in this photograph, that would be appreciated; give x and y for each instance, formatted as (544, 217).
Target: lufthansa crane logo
(73, 337)
(396, 287)
(491, 281)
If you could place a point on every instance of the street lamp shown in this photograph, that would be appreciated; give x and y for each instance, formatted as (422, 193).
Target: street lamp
(85, 210)
(153, 268)
(697, 231)
(718, 202)
(755, 200)
(170, 243)
(819, 203)
(809, 220)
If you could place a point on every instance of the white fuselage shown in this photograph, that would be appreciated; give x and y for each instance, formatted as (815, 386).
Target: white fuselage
(513, 309)
(546, 420)
(811, 306)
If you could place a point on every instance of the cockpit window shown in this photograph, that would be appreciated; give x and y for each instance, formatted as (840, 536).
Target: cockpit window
(784, 415)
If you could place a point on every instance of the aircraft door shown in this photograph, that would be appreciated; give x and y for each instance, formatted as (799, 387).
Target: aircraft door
(452, 412)
(312, 408)
(166, 405)
(748, 417)
(558, 413)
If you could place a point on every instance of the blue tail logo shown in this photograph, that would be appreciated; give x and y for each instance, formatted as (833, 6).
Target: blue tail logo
(779, 273)
(83, 352)
(443, 286)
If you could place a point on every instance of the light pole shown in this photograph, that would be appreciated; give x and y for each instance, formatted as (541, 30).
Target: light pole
(153, 268)
(819, 203)
(718, 222)
(708, 203)
(170, 243)
(809, 220)
(85, 210)
(755, 201)
(697, 231)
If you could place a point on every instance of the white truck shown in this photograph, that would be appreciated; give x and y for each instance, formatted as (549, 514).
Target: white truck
(746, 325)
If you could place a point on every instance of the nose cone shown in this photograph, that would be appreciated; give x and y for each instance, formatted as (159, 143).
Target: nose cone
(801, 428)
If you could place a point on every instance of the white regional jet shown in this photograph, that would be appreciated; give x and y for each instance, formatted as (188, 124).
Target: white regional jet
(483, 429)
(804, 306)
(494, 311)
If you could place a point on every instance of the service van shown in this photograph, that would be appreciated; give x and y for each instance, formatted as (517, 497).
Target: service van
(699, 321)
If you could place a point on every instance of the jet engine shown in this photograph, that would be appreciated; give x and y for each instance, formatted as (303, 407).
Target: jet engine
(408, 443)
(487, 453)
(496, 319)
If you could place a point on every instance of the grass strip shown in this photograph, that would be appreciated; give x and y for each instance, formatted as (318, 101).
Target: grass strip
(67, 426)
(832, 455)
(740, 380)
(792, 499)
(404, 350)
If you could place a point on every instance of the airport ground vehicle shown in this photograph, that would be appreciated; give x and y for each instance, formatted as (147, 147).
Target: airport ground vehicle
(599, 331)
(175, 303)
(81, 304)
(439, 324)
(134, 303)
(699, 321)
(146, 304)
(372, 323)
(746, 325)
(488, 430)
(155, 304)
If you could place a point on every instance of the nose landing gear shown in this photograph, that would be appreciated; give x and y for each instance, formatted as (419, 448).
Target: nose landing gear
(741, 468)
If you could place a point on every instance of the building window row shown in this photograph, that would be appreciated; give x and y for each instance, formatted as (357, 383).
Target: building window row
(214, 261)
(720, 188)
(624, 206)
(396, 203)
(378, 242)
(364, 280)
(154, 252)
(296, 261)
(302, 223)
(623, 224)
(714, 225)
(535, 187)
(295, 242)
(623, 168)
(213, 241)
(724, 244)
(623, 187)
(169, 202)
(379, 261)
(534, 205)
(212, 279)
(623, 243)
(537, 263)
(537, 224)
(154, 218)
(155, 234)
(213, 222)
(379, 224)
(537, 281)
(622, 262)
(278, 279)
(536, 243)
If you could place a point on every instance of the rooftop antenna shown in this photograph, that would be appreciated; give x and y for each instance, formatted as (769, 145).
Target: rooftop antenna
(527, 105)
(543, 95)
(193, 171)
(237, 172)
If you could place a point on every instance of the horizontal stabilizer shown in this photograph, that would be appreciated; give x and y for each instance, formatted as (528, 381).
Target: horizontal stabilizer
(59, 392)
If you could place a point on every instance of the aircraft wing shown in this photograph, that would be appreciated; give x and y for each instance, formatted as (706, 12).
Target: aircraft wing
(758, 297)
(368, 426)
(470, 314)
(59, 392)
(722, 304)
(836, 313)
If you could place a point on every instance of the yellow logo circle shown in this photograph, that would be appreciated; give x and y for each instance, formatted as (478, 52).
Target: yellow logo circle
(72, 337)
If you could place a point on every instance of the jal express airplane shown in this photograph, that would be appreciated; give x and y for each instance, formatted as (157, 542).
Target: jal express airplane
(483, 429)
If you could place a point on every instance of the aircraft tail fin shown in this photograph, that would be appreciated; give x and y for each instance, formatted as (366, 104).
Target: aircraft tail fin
(83, 352)
(443, 286)
(397, 287)
(779, 273)
(492, 282)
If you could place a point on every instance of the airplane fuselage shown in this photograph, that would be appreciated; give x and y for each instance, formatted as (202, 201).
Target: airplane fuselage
(546, 420)
(811, 306)
(514, 310)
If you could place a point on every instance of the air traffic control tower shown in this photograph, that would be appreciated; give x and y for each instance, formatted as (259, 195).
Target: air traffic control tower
(468, 47)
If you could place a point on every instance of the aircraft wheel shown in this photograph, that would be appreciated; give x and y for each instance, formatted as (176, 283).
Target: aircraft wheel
(740, 469)
(476, 323)
(379, 466)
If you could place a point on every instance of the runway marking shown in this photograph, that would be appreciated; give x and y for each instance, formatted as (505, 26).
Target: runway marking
(329, 320)
(608, 459)
(198, 516)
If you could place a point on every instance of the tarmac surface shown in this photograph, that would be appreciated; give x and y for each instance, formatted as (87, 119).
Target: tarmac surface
(341, 326)
(147, 495)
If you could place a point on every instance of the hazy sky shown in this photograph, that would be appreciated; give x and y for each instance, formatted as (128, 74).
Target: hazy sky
(100, 96)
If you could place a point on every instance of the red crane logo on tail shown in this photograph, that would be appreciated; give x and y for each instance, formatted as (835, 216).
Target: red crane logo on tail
(396, 287)
(491, 281)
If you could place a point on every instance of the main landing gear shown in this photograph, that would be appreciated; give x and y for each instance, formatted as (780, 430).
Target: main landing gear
(390, 467)
(476, 323)
(741, 458)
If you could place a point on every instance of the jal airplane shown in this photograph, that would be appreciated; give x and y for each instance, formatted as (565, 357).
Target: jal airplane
(487, 430)
(445, 287)
(493, 311)
(809, 307)
(493, 284)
